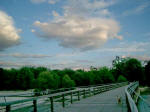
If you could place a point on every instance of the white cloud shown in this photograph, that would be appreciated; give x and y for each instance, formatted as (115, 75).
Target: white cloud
(137, 9)
(32, 30)
(76, 32)
(8, 33)
(10, 64)
(141, 58)
(55, 14)
(20, 55)
(52, 1)
(128, 47)
(85, 61)
(38, 1)
(86, 7)
(42, 1)
(78, 28)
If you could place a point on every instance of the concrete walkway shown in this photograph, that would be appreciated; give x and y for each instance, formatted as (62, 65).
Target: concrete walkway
(104, 102)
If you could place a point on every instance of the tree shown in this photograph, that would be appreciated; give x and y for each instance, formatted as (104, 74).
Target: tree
(47, 80)
(37, 71)
(1, 78)
(67, 82)
(118, 67)
(25, 78)
(134, 70)
(105, 75)
(121, 79)
(130, 68)
(147, 73)
(78, 78)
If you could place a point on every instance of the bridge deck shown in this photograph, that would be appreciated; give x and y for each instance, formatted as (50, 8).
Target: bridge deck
(104, 102)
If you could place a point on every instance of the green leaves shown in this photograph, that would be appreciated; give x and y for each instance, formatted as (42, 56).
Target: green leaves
(67, 82)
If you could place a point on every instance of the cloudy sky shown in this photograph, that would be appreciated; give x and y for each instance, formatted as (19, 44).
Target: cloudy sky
(72, 33)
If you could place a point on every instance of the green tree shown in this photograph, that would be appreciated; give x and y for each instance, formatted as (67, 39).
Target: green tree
(67, 82)
(121, 79)
(25, 78)
(38, 70)
(105, 75)
(147, 73)
(134, 70)
(48, 80)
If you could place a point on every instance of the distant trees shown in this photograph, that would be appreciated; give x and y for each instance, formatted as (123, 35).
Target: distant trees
(25, 78)
(105, 75)
(67, 82)
(121, 79)
(123, 69)
(147, 73)
(47, 80)
(129, 68)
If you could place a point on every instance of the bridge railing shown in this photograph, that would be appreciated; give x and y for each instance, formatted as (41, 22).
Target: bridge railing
(79, 93)
(130, 96)
(144, 105)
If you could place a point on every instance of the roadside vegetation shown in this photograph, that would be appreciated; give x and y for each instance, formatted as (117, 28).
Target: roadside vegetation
(123, 69)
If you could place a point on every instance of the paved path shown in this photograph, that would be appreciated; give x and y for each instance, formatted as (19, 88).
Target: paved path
(104, 102)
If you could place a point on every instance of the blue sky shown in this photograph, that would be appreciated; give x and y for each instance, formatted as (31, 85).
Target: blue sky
(72, 33)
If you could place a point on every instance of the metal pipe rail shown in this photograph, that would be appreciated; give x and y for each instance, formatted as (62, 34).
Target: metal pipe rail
(130, 92)
(80, 93)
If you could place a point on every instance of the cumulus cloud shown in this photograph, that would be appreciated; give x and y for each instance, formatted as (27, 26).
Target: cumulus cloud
(82, 30)
(76, 32)
(8, 33)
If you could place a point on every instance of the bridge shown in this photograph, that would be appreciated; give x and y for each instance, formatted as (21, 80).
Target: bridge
(99, 98)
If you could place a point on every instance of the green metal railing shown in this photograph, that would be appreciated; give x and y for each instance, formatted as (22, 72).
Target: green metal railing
(129, 91)
(78, 92)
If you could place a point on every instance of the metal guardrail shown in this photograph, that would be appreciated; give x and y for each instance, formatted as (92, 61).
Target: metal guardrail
(130, 92)
(80, 92)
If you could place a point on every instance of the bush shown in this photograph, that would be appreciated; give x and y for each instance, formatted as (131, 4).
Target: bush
(121, 79)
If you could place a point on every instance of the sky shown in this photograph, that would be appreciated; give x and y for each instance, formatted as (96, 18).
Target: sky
(73, 34)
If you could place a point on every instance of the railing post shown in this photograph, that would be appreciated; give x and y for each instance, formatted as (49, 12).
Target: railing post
(71, 98)
(35, 105)
(8, 108)
(93, 91)
(89, 92)
(52, 106)
(63, 100)
(78, 95)
(84, 93)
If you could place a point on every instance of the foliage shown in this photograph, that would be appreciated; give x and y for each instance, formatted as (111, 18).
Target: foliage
(130, 68)
(121, 79)
(106, 75)
(147, 73)
(41, 78)
(48, 80)
(67, 82)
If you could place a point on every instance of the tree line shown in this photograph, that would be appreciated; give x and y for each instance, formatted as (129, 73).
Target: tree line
(123, 69)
